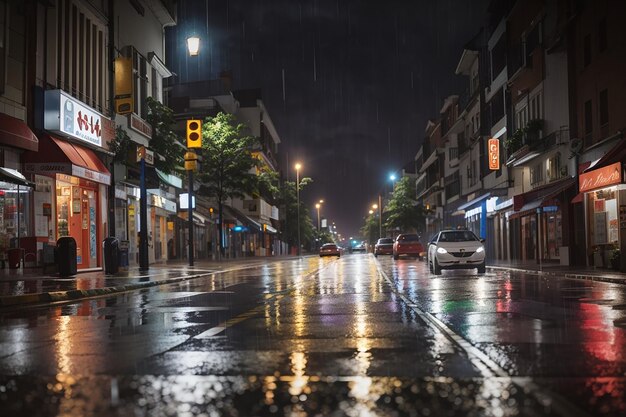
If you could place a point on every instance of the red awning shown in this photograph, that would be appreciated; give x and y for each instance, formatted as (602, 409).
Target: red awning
(63, 157)
(15, 133)
(580, 197)
(543, 196)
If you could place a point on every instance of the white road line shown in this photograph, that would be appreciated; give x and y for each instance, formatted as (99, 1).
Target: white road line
(482, 362)
(214, 331)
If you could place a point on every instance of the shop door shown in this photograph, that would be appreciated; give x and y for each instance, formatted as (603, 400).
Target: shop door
(88, 257)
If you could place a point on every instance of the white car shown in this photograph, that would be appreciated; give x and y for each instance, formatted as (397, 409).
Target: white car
(456, 249)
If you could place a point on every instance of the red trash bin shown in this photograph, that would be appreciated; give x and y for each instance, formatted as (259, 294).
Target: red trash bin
(15, 257)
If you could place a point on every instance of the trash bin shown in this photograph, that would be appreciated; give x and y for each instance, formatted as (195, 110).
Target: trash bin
(111, 255)
(123, 255)
(15, 257)
(66, 256)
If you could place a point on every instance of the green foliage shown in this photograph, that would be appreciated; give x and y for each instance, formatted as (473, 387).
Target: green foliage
(369, 231)
(120, 145)
(403, 212)
(288, 200)
(168, 150)
(227, 167)
(523, 136)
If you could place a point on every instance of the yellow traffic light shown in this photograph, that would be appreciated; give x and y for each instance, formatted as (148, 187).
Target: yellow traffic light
(194, 134)
(191, 161)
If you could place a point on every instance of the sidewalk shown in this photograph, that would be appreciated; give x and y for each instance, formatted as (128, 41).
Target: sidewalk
(29, 285)
(551, 269)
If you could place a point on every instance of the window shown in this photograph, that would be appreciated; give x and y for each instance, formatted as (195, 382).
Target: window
(532, 41)
(536, 174)
(554, 167)
(453, 153)
(602, 38)
(535, 106)
(588, 122)
(604, 107)
(586, 51)
(496, 106)
(81, 55)
(498, 58)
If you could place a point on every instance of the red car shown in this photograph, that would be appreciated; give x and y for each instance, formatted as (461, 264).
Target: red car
(329, 249)
(408, 244)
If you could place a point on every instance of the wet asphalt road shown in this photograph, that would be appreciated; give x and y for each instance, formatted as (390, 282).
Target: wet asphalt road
(358, 336)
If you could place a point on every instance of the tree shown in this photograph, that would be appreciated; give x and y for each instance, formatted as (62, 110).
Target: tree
(227, 166)
(370, 229)
(168, 150)
(288, 199)
(403, 212)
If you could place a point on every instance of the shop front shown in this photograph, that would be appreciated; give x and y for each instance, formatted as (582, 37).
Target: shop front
(605, 214)
(76, 183)
(536, 223)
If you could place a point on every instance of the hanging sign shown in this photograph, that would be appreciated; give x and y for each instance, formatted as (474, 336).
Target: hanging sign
(494, 154)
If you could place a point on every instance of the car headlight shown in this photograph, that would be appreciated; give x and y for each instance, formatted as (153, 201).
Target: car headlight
(480, 249)
(441, 250)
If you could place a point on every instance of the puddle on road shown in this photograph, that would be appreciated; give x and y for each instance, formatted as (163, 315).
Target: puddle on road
(295, 395)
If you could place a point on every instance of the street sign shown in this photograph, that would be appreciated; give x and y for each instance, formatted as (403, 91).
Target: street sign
(144, 153)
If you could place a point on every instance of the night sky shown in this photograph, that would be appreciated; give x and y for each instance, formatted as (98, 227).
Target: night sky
(361, 78)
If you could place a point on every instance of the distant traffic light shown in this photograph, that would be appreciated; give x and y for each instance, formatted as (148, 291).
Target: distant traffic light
(194, 134)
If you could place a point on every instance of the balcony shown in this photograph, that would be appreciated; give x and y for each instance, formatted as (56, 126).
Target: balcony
(532, 146)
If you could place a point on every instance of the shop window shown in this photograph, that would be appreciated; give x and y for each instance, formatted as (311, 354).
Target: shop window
(603, 221)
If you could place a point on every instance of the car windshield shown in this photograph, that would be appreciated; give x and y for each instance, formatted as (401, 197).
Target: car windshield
(409, 238)
(458, 236)
(387, 240)
(329, 246)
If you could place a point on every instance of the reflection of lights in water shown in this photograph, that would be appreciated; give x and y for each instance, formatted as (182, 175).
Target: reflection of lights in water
(64, 345)
(481, 291)
(269, 386)
(298, 383)
(437, 303)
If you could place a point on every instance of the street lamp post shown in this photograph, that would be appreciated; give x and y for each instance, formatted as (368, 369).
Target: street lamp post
(380, 216)
(317, 206)
(298, 166)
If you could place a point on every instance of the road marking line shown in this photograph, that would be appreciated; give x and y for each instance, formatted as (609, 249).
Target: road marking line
(483, 362)
(214, 331)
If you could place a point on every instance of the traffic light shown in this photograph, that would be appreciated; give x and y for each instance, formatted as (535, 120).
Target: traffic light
(194, 134)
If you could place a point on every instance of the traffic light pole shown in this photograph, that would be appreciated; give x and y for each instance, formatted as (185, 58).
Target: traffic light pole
(190, 216)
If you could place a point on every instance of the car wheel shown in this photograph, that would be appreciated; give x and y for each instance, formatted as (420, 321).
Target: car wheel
(375, 255)
(396, 256)
(338, 256)
(482, 268)
(436, 267)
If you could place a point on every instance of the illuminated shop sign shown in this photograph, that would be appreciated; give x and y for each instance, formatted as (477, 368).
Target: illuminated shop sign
(601, 177)
(494, 154)
(68, 116)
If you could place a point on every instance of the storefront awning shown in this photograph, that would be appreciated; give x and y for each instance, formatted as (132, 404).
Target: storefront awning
(11, 177)
(170, 179)
(542, 197)
(15, 133)
(245, 220)
(473, 202)
(270, 229)
(63, 157)
(616, 154)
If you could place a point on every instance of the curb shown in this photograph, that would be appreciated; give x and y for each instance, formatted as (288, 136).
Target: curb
(56, 296)
(586, 277)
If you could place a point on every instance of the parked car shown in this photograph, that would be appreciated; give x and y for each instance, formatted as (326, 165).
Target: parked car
(456, 249)
(408, 244)
(329, 249)
(383, 246)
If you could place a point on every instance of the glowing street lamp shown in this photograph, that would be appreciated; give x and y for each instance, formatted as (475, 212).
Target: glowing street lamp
(193, 45)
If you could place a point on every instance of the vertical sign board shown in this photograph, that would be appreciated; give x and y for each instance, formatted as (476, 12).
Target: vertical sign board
(494, 154)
